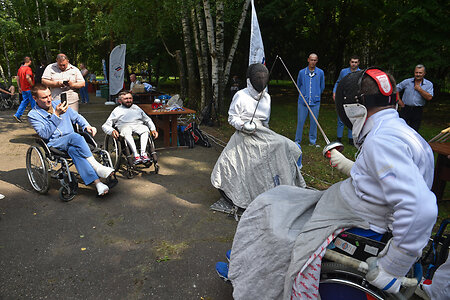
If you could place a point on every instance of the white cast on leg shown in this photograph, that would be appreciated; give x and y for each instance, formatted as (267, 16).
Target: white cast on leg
(101, 170)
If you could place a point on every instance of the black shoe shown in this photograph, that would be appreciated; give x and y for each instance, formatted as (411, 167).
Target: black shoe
(339, 140)
(17, 119)
(350, 141)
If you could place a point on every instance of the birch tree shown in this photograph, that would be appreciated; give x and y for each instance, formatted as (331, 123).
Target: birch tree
(185, 24)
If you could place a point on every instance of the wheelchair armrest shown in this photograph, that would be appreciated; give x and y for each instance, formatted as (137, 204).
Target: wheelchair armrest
(40, 141)
(89, 139)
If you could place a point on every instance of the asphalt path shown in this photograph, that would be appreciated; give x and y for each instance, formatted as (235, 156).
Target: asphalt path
(152, 237)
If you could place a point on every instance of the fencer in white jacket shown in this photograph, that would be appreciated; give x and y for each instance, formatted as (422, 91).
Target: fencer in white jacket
(390, 181)
(243, 106)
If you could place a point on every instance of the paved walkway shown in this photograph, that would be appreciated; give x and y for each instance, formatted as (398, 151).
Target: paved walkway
(153, 237)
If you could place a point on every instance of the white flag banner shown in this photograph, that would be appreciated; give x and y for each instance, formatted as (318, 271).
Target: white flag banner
(256, 44)
(117, 68)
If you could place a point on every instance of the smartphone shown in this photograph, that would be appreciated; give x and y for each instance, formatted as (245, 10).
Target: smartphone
(66, 82)
(63, 98)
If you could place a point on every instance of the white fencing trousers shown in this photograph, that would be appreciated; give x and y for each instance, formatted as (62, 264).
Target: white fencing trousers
(141, 130)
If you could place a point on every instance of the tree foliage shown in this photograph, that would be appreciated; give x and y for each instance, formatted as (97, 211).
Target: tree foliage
(396, 35)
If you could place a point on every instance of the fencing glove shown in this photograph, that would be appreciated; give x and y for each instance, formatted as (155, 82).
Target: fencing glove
(249, 127)
(387, 271)
(340, 162)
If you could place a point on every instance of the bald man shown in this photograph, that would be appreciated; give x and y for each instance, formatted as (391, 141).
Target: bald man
(62, 77)
(311, 82)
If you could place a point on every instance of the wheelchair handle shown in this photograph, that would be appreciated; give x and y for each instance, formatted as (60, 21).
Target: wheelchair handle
(362, 266)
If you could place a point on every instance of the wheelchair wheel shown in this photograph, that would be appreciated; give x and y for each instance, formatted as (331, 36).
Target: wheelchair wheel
(68, 191)
(338, 281)
(114, 148)
(153, 155)
(38, 170)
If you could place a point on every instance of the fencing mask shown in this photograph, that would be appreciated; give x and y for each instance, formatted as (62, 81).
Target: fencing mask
(258, 76)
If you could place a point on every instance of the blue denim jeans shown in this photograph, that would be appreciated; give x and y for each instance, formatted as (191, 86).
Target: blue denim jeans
(340, 129)
(84, 93)
(26, 98)
(302, 113)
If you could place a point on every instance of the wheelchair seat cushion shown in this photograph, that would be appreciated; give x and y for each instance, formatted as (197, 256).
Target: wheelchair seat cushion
(58, 152)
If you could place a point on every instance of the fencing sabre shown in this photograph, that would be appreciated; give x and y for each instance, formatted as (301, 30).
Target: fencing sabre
(330, 145)
(250, 126)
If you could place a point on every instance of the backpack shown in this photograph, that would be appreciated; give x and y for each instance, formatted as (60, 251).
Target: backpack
(197, 135)
(184, 137)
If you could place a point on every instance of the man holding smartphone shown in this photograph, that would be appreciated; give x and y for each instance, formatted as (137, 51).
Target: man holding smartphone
(62, 77)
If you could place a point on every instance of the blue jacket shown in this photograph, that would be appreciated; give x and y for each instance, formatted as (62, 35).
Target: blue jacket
(311, 86)
(344, 72)
(51, 127)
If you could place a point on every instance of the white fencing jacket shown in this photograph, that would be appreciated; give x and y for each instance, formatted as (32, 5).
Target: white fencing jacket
(122, 116)
(244, 104)
(392, 177)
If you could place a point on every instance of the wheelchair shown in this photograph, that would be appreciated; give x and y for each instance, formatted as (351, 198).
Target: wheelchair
(8, 101)
(44, 163)
(340, 277)
(119, 150)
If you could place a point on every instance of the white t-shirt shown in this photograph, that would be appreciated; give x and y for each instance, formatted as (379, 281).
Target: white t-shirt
(72, 73)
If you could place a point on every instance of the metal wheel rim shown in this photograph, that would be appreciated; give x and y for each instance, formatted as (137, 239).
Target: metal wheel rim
(37, 169)
(112, 146)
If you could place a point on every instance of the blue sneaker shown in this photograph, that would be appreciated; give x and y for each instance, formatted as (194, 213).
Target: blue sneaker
(228, 255)
(222, 270)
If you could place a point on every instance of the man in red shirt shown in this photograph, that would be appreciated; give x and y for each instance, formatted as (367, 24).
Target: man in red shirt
(25, 81)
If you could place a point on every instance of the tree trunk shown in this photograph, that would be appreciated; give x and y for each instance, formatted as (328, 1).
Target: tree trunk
(220, 54)
(179, 59)
(7, 63)
(234, 45)
(202, 69)
(3, 75)
(38, 14)
(213, 55)
(188, 49)
(204, 54)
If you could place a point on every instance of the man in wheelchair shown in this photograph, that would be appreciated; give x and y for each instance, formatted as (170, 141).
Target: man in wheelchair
(53, 122)
(282, 236)
(128, 119)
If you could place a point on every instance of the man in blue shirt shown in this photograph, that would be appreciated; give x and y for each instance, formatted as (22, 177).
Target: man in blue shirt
(53, 121)
(311, 82)
(417, 91)
(354, 66)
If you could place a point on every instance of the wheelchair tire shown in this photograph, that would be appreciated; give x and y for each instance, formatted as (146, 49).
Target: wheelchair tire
(67, 194)
(338, 274)
(38, 170)
(114, 148)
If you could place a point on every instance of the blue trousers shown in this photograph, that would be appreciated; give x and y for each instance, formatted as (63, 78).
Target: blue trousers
(340, 129)
(302, 113)
(26, 98)
(77, 148)
(84, 93)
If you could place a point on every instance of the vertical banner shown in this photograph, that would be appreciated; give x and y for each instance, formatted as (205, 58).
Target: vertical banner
(116, 69)
(256, 44)
(105, 74)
